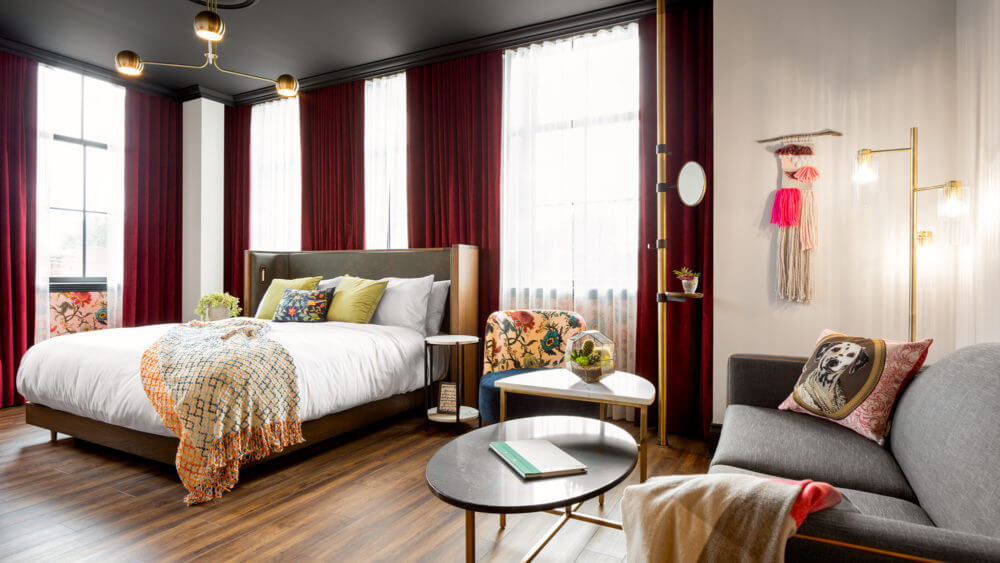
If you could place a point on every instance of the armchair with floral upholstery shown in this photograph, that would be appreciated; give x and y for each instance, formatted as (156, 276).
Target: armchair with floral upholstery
(523, 340)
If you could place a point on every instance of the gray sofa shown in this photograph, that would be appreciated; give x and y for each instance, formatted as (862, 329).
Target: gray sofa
(933, 491)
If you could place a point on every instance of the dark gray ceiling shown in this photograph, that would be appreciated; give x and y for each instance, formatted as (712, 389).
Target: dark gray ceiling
(300, 37)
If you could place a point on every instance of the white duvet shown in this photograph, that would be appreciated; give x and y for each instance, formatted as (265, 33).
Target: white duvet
(339, 365)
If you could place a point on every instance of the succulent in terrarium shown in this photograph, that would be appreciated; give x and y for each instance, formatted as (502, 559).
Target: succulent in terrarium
(591, 355)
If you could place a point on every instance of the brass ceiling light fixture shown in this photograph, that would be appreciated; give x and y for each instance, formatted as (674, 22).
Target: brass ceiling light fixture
(208, 25)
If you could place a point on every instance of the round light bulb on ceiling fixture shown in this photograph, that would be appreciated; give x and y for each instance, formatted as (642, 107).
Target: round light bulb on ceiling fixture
(209, 26)
(128, 63)
(286, 85)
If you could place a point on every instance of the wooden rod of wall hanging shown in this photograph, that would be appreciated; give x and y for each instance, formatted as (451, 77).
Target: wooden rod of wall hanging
(823, 133)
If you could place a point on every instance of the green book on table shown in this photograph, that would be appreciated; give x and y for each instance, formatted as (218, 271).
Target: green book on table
(533, 459)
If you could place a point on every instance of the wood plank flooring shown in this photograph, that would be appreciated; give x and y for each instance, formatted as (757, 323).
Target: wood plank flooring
(358, 498)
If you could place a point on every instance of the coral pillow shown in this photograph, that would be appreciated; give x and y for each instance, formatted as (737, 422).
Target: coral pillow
(854, 381)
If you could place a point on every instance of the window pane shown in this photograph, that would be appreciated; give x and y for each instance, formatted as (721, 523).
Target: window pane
(62, 99)
(64, 174)
(104, 176)
(103, 111)
(66, 243)
(97, 245)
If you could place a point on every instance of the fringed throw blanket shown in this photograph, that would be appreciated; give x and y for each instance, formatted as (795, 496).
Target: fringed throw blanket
(794, 212)
(229, 393)
(717, 517)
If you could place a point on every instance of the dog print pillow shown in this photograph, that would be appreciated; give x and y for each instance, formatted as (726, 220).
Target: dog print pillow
(854, 381)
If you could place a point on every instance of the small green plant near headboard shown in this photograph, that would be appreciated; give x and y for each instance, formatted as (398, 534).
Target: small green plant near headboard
(218, 299)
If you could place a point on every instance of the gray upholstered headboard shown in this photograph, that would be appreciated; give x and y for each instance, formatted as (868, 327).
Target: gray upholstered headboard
(459, 263)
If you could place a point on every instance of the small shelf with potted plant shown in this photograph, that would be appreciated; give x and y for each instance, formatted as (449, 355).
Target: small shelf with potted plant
(689, 281)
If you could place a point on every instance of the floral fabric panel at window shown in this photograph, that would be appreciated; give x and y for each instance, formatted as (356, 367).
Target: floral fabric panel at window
(80, 188)
(570, 181)
(275, 176)
(385, 162)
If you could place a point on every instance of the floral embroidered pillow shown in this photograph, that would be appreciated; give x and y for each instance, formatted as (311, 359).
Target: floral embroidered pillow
(855, 381)
(302, 306)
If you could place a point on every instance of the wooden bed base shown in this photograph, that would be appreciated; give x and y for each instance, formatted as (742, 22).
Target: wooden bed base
(164, 448)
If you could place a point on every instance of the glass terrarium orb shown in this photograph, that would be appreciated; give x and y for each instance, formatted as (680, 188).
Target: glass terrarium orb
(590, 355)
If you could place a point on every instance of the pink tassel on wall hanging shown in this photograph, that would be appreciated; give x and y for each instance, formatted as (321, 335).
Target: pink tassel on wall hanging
(787, 207)
(807, 174)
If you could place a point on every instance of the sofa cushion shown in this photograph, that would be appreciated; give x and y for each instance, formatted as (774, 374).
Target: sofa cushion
(862, 502)
(945, 438)
(787, 444)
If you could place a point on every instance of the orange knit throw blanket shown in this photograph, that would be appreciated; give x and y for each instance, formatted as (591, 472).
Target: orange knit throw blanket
(229, 393)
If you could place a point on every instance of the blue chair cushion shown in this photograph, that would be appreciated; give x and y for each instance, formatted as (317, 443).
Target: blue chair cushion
(522, 406)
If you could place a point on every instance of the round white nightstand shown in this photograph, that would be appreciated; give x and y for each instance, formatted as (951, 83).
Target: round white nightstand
(462, 413)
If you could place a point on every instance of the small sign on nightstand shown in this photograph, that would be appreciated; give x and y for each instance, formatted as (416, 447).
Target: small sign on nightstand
(448, 398)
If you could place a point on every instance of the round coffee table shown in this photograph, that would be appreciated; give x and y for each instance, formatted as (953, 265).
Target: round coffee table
(467, 474)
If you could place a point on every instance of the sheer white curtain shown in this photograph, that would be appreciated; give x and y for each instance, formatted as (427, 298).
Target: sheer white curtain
(275, 176)
(80, 187)
(570, 180)
(977, 270)
(385, 162)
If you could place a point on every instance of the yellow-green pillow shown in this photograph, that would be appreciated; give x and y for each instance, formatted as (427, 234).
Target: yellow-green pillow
(270, 301)
(355, 300)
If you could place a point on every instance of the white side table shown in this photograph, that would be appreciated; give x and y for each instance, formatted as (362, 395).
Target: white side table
(620, 388)
(462, 413)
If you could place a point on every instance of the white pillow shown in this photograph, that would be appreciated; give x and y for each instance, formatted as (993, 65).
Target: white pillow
(331, 283)
(436, 305)
(404, 303)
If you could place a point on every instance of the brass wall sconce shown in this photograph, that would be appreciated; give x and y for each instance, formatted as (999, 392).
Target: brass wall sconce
(866, 171)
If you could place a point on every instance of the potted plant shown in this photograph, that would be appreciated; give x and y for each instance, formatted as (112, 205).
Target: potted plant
(591, 356)
(217, 305)
(689, 279)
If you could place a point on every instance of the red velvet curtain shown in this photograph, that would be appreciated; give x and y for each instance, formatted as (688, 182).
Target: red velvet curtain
(236, 215)
(18, 145)
(333, 167)
(453, 161)
(689, 232)
(152, 280)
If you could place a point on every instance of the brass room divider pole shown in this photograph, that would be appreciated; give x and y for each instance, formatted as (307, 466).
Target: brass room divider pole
(661, 213)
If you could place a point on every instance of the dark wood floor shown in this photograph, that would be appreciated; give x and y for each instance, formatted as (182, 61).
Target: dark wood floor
(359, 498)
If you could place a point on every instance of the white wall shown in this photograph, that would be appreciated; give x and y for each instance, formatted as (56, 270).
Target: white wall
(202, 249)
(870, 69)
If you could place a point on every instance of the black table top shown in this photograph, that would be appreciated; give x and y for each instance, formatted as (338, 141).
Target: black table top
(467, 474)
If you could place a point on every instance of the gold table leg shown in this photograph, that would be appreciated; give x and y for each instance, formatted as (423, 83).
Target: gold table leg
(503, 416)
(470, 536)
(548, 535)
(642, 445)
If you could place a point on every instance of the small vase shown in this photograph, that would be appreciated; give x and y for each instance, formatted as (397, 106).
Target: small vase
(217, 313)
(690, 286)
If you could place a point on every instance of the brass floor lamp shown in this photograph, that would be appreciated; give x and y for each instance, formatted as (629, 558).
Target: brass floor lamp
(691, 185)
(865, 173)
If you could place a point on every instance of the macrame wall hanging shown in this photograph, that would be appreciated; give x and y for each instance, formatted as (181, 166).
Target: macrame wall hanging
(794, 212)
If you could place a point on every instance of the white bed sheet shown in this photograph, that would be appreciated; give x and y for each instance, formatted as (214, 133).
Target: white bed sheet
(339, 365)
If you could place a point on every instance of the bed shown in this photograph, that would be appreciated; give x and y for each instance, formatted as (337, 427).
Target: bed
(87, 385)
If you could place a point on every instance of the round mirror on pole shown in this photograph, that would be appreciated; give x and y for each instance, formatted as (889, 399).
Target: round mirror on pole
(691, 183)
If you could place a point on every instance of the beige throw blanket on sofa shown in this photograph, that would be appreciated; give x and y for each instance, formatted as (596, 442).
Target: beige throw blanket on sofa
(717, 517)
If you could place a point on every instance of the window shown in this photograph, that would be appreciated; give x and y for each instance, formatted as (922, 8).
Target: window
(385, 162)
(570, 180)
(81, 124)
(275, 176)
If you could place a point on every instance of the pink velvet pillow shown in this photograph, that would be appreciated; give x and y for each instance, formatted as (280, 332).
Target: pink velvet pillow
(854, 381)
